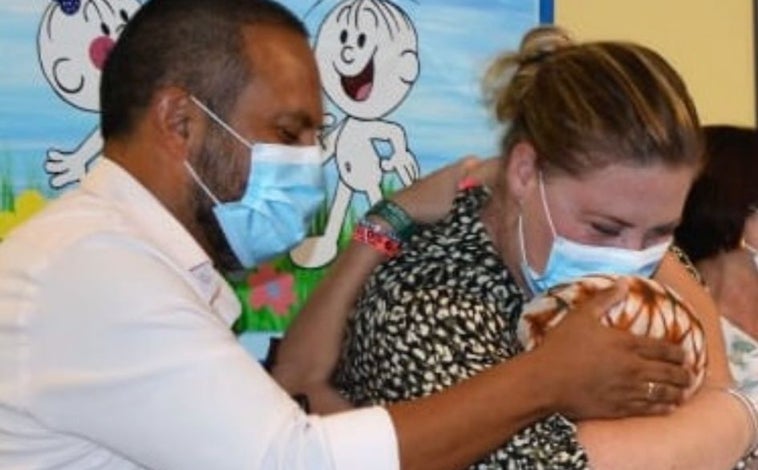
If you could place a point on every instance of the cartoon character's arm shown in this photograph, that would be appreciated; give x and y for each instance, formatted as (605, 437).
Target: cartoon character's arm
(66, 168)
(402, 160)
(330, 131)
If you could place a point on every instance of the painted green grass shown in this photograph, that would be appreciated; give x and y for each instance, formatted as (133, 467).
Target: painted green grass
(17, 205)
(305, 281)
(7, 197)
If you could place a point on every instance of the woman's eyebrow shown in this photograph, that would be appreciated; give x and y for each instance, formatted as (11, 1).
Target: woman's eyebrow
(668, 227)
(609, 218)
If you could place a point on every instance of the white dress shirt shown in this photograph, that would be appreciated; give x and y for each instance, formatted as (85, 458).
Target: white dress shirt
(116, 352)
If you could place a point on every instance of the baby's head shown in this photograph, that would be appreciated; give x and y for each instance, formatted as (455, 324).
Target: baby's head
(649, 309)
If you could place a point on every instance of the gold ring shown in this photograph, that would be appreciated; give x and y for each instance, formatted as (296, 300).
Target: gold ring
(652, 387)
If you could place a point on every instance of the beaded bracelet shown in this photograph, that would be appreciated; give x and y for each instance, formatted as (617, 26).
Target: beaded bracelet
(396, 216)
(752, 410)
(376, 236)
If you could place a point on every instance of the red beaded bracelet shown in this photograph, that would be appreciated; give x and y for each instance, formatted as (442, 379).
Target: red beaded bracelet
(377, 237)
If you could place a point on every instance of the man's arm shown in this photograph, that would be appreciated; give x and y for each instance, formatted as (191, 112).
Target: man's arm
(136, 361)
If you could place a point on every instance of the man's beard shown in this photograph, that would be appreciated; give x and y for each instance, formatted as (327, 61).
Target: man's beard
(207, 167)
(221, 253)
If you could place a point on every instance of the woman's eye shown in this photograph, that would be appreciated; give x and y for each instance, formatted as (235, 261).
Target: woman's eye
(605, 230)
(662, 234)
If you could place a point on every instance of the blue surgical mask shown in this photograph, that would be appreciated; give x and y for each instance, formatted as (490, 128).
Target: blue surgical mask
(284, 189)
(569, 260)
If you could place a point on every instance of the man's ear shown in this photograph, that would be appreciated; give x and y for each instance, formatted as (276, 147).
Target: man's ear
(177, 121)
(522, 171)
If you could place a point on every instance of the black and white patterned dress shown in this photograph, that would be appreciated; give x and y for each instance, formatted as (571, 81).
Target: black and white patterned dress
(442, 311)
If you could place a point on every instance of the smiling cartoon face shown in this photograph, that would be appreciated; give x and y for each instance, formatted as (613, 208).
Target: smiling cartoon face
(74, 39)
(367, 55)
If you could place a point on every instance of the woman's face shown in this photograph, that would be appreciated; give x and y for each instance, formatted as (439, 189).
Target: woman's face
(621, 206)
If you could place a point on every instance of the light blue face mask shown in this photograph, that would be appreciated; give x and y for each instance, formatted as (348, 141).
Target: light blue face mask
(284, 189)
(569, 260)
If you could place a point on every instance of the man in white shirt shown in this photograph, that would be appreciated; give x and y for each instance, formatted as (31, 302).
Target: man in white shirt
(115, 347)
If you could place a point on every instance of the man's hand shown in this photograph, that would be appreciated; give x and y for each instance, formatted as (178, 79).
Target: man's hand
(607, 373)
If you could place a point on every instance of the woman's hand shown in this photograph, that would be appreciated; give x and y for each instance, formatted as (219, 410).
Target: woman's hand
(431, 198)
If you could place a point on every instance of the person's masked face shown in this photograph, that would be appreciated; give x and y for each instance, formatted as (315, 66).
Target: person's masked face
(215, 146)
(284, 187)
(617, 220)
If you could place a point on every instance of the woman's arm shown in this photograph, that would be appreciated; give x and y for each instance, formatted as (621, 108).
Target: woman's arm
(308, 354)
(674, 274)
(711, 431)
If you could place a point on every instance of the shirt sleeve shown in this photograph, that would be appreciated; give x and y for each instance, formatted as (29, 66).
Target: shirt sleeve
(126, 355)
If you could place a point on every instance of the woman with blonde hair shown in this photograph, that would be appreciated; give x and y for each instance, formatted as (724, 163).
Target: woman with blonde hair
(600, 147)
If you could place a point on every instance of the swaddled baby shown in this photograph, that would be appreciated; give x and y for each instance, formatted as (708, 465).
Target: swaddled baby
(649, 309)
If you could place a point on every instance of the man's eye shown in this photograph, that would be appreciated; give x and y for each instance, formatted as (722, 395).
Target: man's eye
(321, 139)
(287, 136)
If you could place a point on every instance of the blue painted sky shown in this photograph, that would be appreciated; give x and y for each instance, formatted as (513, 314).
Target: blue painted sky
(442, 114)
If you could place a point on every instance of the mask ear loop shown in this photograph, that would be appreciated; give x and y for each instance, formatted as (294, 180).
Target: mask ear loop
(522, 242)
(544, 206)
(522, 245)
(226, 126)
(220, 122)
(525, 268)
(201, 184)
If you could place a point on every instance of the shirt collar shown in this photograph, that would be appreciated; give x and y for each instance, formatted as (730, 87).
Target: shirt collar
(109, 180)
(153, 221)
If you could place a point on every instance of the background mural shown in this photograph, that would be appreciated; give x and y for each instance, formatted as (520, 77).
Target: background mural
(401, 87)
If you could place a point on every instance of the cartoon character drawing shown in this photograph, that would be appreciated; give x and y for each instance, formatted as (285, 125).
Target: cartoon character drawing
(75, 37)
(367, 54)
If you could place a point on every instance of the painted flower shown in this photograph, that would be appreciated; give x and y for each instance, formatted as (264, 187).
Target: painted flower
(271, 288)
